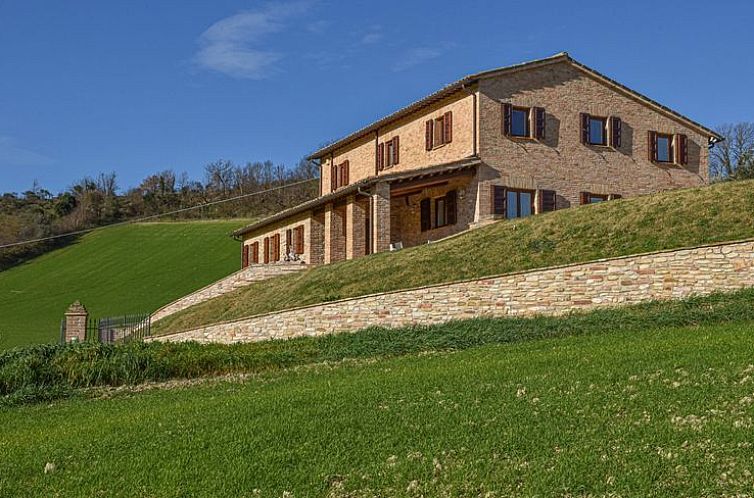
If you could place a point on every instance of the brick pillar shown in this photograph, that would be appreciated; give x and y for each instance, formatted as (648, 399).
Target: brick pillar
(335, 235)
(317, 239)
(355, 228)
(75, 323)
(380, 219)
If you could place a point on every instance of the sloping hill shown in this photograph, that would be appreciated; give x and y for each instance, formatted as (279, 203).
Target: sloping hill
(652, 410)
(668, 220)
(124, 269)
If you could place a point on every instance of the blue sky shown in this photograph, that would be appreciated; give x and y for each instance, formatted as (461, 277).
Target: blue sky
(139, 86)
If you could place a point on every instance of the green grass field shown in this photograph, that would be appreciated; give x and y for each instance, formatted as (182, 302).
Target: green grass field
(655, 412)
(721, 212)
(113, 271)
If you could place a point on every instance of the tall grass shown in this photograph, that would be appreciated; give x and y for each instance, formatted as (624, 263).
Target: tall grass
(44, 372)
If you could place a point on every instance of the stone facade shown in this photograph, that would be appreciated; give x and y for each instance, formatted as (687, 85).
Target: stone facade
(553, 291)
(557, 161)
(241, 278)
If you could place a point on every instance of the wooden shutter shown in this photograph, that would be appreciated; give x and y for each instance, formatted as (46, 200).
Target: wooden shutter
(276, 247)
(507, 119)
(244, 255)
(451, 206)
(539, 122)
(428, 134)
(255, 252)
(682, 149)
(498, 195)
(344, 179)
(612, 197)
(447, 127)
(381, 156)
(585, 128)
(652, 145)
(299, 231)
(334, 178)
(266, 250)
(396, 144)
(426, 214)
(547, 201)
(288, 241)
(583, 198)
(616, 132)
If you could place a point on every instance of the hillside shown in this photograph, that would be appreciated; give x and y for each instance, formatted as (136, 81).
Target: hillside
(635, 410)
(675, 219)
(124, 269)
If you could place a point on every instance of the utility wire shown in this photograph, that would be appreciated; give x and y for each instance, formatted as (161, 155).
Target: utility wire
(154, 216)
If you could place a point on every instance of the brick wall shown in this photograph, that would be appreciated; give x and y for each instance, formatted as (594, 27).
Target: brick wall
(554, 291)
(280, 228)
(560, 161)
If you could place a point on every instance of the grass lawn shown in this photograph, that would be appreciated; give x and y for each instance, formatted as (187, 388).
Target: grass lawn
(113, 271)
(721, 212)
(655, 412)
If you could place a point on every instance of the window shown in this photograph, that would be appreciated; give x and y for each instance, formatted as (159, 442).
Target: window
(244, 256)
(597, 131)
(275, 247)
(298, 233)
(519, 203)
(445, 211)
(266, 250)
(592, 198)
(388, 153)
(664, 148)
(440, 212)
(288, 241)
(439, 131)
(339, 175)
(520, 122)
(255, 252)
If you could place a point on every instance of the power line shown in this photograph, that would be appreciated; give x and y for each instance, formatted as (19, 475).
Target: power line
(154, 216)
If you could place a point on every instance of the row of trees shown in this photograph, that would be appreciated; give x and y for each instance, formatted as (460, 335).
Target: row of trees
(97, 201)
(733, 158)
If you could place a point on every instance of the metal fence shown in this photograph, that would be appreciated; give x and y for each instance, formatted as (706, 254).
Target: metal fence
(115, 328)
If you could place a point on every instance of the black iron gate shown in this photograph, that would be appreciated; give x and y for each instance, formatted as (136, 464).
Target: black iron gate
(115, 328)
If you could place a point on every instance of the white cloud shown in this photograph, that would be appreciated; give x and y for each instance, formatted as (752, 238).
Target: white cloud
(12, 155)
(231, 45)
(416, 56)
(374, 35)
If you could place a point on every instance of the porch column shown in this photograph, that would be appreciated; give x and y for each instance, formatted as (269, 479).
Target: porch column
(380, 219)
(334, 234)
(355, 228)
(75, 323)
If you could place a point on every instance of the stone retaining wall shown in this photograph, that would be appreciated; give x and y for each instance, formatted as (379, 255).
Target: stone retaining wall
(241, 278)
(553, 291)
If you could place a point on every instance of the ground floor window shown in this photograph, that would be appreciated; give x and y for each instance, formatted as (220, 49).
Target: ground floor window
(591, 198)
(445, 211)
(519, 203)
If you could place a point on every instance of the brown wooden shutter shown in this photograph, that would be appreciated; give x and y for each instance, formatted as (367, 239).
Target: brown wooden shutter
(682, 149)
(451, 205)
(425, 208)
(288, 241)
(299, 231)
(539, 122)
(346, 172)
(498, 195)
(447, 126)
(507, 119)
(276, 247)
(616, 132)
(255, 252)
(583, 198)
(652, 145)
(266, 250)
(333, 177)
(585, 128)
(396, 144)
(244, 255)
(428, 134)
(612, 197)
(381, 156)
(548, 201)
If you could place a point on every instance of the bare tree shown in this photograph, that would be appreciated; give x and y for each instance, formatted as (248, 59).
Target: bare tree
(733, 158)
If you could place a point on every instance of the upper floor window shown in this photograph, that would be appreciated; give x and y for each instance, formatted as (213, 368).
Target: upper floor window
(388, 153)
(439, 131)
(339, 175)
(523, 122)
(667, 148)
(597, 130)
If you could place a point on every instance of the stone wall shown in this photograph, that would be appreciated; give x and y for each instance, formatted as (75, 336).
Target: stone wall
(553, 291)
(241, 278)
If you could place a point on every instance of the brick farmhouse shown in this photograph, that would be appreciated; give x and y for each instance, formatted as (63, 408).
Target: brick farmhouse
(505, 143)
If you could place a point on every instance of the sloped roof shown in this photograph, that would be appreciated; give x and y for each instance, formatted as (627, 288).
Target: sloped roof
(473, 78)
(354, 187)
